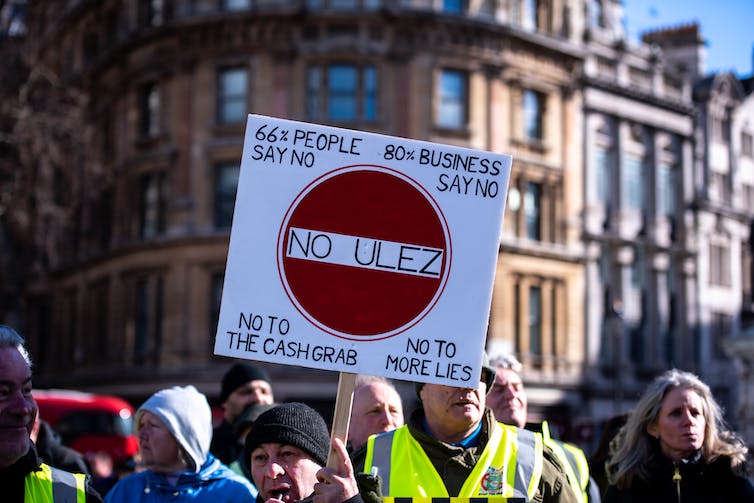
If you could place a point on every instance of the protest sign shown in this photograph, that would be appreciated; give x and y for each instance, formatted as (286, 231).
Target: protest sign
(362, 253)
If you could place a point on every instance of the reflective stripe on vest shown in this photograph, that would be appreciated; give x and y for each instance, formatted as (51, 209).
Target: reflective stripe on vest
(52, 485)
(509, 466)
(574, 463)
(454, 499)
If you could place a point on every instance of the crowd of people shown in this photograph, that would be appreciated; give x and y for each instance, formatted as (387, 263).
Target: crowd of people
(473, 442)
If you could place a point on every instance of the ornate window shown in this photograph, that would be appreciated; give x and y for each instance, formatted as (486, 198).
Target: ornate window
(666, 192)
(155, 12)
(453, 6)
(596, 14)
(719, 263)
(235, 5)
(152, 196)
(533, 210)
(231, 95)
(633, 179)
(342, 92)
(149, 110)
(216, 281)
(343, 4)
(453, 99)
(146, 307)
(533, 108)
(226, 185)
(747, 145)
(524, 14)
(535, 321)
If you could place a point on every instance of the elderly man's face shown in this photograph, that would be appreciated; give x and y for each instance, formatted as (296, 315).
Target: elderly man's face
(452, 413)
(507, 399)
(283, 472)
(376, 408)
(17, 407)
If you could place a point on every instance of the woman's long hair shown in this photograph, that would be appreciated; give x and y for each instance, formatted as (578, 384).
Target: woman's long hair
(635, 449)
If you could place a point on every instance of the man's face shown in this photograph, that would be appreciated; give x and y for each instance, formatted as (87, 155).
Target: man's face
(17, 407)
(257, 391)
(452, 413)
(507, 399)
(283, 472)
(376, 408)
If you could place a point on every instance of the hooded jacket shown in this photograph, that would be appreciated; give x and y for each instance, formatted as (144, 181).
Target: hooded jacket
(186, 414)
(213, 483)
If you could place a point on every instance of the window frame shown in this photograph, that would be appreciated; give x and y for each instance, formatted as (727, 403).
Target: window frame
(152, 208)
(224, 98)
(222, 200)
(150, 106)
(364, 94)
(537, 115)
(448, 101)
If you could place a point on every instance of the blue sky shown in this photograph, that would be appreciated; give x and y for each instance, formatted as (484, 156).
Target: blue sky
(727, 25)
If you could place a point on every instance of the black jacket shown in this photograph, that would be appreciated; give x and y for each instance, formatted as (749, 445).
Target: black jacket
(12, 479)
(224, 445)
(700, 482)
(52, 451)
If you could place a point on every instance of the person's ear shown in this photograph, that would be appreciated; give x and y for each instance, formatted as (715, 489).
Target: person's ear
(652, 430)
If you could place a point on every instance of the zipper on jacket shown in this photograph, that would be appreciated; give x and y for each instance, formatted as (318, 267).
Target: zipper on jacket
(677, 480)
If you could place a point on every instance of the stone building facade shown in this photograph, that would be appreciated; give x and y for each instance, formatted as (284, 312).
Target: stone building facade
(615, 188)
(170, 84)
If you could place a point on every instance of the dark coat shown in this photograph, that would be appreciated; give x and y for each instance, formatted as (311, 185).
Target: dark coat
(224, 445)
(12, 479)
(52, 451)
(700, 482)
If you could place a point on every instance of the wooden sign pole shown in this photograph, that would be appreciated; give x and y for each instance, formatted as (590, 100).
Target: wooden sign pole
(342, 414)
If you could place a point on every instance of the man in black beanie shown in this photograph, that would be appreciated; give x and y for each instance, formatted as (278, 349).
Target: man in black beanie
(242, 385)
(287, 450)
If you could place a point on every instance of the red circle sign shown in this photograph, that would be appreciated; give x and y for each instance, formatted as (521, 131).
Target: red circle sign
(364, 252)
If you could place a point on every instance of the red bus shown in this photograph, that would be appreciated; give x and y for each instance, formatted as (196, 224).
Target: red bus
(88, 423)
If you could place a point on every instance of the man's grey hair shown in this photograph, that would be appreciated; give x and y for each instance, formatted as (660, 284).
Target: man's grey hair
(506, 361)
(9, 338)
(364, 380)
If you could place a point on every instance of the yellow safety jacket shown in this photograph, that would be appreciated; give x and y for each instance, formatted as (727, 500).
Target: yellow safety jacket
(574, 463)
(510, 465)
(52, 485)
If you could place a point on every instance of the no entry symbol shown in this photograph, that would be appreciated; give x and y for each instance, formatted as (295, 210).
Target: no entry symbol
(364, 252)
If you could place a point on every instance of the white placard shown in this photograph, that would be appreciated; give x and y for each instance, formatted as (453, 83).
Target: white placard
(362, 253)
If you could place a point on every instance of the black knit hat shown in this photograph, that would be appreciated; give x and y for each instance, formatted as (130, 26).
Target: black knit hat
(238, 375)
(294, 424)
(249, 415)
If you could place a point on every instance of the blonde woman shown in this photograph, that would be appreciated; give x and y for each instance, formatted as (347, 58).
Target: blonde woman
(675, 447)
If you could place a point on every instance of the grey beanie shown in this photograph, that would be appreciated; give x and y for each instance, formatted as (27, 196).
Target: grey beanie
(294, 424)
(187, 415)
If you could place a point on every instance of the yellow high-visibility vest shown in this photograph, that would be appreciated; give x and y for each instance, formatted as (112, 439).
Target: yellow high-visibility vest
(574, 463)
(510, 465)
(52, 485)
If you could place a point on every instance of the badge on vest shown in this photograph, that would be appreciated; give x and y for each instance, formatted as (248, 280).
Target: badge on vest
(492, 481)
(455, 499)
